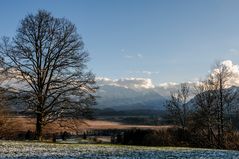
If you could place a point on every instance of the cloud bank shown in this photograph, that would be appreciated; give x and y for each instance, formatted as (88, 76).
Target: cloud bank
(233, 68)
(132, 83)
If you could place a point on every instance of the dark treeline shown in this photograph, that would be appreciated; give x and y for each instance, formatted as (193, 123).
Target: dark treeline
(173, 136)
(205, 114)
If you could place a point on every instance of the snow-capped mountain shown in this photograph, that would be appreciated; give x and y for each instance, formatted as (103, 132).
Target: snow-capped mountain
(131, 93)
(125, 98)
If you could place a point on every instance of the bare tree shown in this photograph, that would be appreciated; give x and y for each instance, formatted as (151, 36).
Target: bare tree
(177, 105)
(47, 54)
(213, 100)
(204, 118)
(220, 80)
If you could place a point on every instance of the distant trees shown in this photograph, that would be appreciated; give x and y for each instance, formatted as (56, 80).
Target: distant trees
(48, 56)
(219, 79)
(205, 114)
(177, 105)
(211, 106)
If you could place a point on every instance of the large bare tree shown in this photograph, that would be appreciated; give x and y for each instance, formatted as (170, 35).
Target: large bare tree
(48, 56)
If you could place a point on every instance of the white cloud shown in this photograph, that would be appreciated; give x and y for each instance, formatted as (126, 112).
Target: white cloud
(139, 55)
(128, 55)
(136, 83)
(145, 72)
(168, 85)
(234, 51)
(133, 56)
(233, 68)
(133, 83)
(150, 72)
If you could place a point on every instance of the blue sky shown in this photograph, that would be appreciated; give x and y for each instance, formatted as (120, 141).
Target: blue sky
(164, 40)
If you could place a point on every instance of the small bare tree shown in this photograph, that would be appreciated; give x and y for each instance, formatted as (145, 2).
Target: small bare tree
(177, 105)
(204, 117)
(48, 56)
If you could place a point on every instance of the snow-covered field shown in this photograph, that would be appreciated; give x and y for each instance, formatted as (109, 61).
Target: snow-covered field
(11, 149)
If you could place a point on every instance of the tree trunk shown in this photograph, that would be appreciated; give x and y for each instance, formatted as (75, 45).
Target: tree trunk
(221, 113)
(39, 127)
(209, 133)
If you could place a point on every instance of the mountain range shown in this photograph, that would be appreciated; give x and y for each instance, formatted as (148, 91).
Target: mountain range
(133, 93)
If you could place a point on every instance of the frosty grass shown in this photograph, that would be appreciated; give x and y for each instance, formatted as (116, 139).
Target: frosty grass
(12, 149)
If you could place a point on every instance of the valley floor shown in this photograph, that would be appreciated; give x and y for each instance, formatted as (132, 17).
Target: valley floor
(13, 149)
(82, 125)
